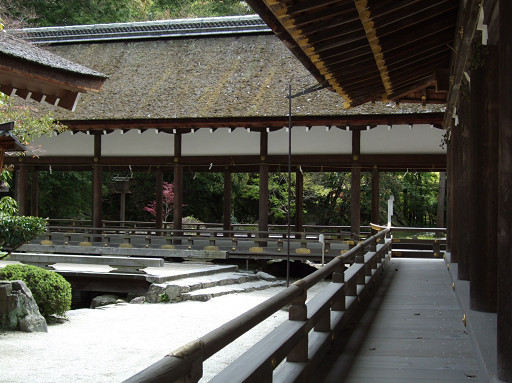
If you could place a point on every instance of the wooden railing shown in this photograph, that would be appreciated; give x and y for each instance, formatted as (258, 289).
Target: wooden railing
(302, 339)
(150, 226)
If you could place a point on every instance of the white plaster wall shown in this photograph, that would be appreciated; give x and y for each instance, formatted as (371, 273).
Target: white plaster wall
(133, 143)
(400, 139)
(318, 140)
(221, 142)
(421, 139)
(65, 144)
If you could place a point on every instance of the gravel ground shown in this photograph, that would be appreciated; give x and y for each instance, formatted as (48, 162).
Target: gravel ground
(112, 343)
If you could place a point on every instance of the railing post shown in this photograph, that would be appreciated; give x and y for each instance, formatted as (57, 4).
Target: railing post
(338, 276)
(436, 248)
(298, 312)
(361, 273)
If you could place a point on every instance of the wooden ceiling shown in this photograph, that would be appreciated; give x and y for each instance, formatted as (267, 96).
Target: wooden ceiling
(370, 50)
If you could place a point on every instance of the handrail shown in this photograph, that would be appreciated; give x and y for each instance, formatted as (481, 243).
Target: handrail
(187, 360)
(61, 222)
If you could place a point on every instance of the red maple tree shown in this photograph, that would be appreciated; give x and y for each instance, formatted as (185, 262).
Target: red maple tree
(168, 202)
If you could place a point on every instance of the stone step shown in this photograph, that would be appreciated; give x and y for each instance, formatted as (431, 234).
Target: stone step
(206, 294)
(205, 287)
(212, 280)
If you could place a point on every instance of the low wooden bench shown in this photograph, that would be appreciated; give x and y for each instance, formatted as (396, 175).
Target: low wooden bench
(132, 265)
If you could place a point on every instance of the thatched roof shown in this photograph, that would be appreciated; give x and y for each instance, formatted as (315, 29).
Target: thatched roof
(231, 75)
(29, 71)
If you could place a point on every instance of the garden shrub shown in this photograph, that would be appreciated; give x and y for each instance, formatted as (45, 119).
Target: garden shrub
(51, 291)
(19, 230)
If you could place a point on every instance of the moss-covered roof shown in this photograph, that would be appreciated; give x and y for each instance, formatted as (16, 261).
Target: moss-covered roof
(20, 49)
(211, 76)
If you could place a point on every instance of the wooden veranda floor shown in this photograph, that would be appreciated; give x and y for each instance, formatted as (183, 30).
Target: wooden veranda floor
(411, 331)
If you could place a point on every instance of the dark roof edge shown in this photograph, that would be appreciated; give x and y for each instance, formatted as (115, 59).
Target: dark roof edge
(208, 26)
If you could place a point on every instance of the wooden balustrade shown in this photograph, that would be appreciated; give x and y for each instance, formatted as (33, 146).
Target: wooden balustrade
(302, 338)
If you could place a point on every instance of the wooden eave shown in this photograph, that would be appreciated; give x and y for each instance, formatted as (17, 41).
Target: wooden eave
(30, 72)
(370, 50)
(57, 87)
(9, 142)
(187, 125)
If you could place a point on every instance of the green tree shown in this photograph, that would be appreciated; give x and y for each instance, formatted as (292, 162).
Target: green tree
(72, 12)
(65, 194)
(26, 126)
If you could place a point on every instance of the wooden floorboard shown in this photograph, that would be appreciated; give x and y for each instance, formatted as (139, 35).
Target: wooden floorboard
(411, 331)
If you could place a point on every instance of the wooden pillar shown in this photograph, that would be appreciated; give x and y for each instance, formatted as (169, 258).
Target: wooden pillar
(463, 210)
(34, 191)
(22, 190)
(375, 196)
(456, 148)
(159, 204)
(481, 242)
(299, 201)
(355, 187)
(2, 156)
(227, 207)
(505, 194)
(97, 183)
(449, 197)
(264, 170)
(441, 200)
(178, 184)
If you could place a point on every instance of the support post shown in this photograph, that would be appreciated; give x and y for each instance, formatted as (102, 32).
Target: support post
(449, 197)
(355, 187)
(298, 312)
(441, 200)
(97, 183)
(482, 258)
(159, 197)
(34, 191)
(299, 201)
(463, 211)
(263, 202)
(22, 189)
(375, 197)
(505, 195)
(227, 207)
(457, 193)
(178, 184)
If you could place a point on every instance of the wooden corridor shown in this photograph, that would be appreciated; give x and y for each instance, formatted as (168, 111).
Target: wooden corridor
(411, 331)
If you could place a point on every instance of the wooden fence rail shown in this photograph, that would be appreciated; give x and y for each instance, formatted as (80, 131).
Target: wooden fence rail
(302, 340)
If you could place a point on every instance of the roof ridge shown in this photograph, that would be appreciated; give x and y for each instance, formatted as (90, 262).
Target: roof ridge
(224, 25)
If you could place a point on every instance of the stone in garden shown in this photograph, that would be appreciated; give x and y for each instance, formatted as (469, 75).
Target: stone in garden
(103, 300)
(18, 309)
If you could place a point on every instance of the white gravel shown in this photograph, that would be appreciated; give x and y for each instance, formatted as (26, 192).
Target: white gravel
(112, 343)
